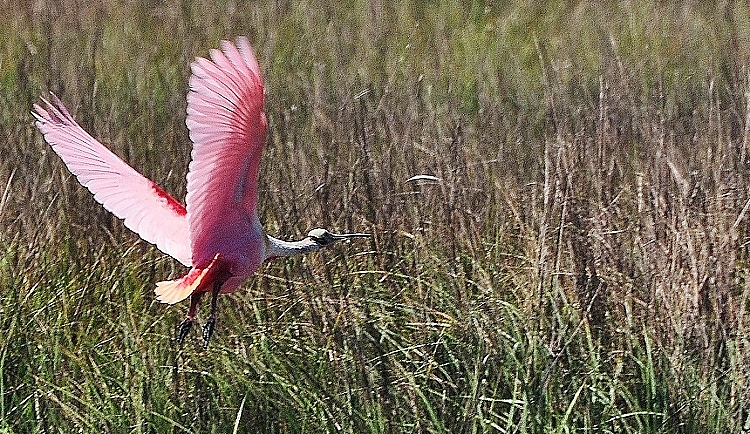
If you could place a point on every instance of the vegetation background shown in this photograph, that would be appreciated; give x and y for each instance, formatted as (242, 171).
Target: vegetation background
(581, 264)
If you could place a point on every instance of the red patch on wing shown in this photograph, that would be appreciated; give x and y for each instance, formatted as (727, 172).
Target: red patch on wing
(172, 203)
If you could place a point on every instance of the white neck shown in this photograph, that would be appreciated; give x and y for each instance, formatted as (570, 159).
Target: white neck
(276, 247)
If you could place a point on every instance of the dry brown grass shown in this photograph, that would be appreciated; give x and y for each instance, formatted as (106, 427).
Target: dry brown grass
(580, 264)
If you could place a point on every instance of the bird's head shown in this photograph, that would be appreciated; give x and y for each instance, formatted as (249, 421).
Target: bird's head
(324, 238)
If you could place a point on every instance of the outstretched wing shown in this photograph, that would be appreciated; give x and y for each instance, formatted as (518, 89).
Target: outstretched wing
(228, 127)
(146, 209)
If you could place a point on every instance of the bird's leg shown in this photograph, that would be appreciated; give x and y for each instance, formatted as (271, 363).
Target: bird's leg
(208, 329)
(184, 328)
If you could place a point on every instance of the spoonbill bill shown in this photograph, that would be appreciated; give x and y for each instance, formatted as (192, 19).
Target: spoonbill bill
(217, 233)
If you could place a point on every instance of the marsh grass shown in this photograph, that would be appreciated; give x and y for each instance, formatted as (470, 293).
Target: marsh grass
(579, 266)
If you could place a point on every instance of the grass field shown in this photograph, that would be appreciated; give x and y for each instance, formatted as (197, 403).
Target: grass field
(581, 266)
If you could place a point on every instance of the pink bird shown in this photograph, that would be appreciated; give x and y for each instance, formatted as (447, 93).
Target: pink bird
(218, 233)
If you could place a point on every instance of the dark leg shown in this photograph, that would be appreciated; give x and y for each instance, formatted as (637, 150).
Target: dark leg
(208, 329)
(184, 327)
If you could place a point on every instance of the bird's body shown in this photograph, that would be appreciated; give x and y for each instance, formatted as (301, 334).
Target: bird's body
(218, 232)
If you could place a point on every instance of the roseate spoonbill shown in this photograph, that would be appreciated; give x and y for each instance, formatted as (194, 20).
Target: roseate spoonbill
(218, 233)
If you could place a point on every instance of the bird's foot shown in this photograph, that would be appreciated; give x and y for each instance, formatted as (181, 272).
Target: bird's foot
(183, 330)
(208, 331)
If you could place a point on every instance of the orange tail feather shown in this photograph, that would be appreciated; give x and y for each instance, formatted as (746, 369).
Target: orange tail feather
(173, 291)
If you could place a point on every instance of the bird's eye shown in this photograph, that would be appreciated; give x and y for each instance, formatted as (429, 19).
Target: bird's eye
(319, 236)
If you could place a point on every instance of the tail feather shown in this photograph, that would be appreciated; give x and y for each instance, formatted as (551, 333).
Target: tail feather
(174, 291)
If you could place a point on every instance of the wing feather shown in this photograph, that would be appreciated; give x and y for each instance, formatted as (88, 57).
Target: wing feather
(145, 208)
(227, 126)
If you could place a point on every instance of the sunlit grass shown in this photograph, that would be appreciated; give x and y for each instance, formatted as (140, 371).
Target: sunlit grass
(579, 266)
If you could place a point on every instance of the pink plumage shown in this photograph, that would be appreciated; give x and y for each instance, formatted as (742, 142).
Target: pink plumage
(227, 126)
(147, 209)
(218, 233)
